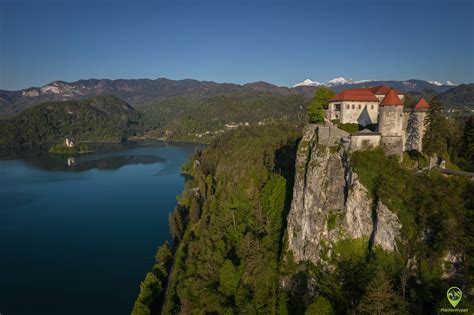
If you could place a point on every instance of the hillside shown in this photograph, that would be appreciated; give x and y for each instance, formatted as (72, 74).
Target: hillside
(272, 224)
(98, 118)
(137, 92)
(200, 119)
(142, 92)
(461, 97)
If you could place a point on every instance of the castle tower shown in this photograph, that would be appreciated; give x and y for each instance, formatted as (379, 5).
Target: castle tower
(415, 128)
(391, 123)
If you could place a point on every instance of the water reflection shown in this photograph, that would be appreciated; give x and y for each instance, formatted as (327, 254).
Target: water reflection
(111, 156)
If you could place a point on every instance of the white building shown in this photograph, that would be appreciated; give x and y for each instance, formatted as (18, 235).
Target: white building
(358, 106)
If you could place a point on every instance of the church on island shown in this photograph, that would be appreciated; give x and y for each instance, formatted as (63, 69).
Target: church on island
(380, 110)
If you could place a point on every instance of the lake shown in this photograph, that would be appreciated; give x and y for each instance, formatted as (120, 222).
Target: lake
(77, 235)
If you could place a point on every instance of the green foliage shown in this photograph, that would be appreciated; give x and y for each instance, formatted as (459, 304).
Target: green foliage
(466, 150)
(380, 298)
(436, 216)
(102, 118)
(164, 255)
(320, 307)
(351, 248)
(349, 127)
(460, 97)
(203, 118)
(332, 220)
(434, 139)
(63, 149)
(150, 288)
(227, 259)
(229, 278)
(316, 108)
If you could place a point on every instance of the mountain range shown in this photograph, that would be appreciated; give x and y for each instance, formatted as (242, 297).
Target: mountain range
(142, 92)
(344, 82)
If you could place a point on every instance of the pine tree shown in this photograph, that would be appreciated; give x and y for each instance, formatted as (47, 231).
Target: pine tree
(320, 307)
(467, 146)
(164, 255)
(434, 141)
(176, 225)
(380, 298)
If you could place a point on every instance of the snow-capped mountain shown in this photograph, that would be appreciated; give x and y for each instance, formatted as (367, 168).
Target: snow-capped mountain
(450, 83)
(440, 84)
(341, 81)
(333, 82)
(308, 82)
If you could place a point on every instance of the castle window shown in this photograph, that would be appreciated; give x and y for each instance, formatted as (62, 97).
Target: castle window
(353, 106)
(372, 106)
(359, 106)
(347, 106)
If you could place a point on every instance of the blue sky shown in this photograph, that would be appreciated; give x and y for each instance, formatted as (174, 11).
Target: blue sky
(282, 42)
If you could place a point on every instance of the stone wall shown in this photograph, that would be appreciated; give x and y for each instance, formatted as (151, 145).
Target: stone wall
(364, 141)
(330, 136)
(392, 145)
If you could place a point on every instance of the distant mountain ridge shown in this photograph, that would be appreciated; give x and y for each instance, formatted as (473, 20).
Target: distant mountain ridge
(461, 97)
(341, 81)
(141, 92)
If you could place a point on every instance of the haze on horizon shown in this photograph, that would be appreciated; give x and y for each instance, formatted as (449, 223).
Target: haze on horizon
(281, 42)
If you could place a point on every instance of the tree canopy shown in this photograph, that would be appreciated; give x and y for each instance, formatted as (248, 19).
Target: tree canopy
(316, 107)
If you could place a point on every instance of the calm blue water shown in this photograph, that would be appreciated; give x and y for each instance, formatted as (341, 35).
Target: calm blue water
(78, 240)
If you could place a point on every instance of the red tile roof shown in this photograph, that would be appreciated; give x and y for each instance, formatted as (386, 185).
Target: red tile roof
(422, 104)
(382, 90)
(362, 95)
(391, 99)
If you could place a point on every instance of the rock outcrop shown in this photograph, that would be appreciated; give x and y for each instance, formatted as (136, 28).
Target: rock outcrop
(330, 204)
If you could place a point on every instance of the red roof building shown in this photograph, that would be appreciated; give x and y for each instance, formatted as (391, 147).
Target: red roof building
(422, 104)
(382, 90)
(391, 99)
(361, 95)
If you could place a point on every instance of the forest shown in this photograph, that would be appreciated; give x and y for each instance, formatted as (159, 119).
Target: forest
(229, 236)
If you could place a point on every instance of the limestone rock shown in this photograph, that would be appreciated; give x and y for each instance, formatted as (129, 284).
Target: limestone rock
(330, 204)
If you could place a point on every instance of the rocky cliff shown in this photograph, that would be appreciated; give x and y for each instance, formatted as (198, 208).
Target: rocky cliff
(330, 204)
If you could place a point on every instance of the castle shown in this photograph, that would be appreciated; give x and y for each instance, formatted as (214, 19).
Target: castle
(379, 108)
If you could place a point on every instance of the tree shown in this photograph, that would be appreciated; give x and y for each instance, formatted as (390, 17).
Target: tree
(467, 144)
(228, 278)
(194, 210)
(164, 255)
(380, 298)
(320, 307)
(315, 109)
(150, 288)
(434, 141)
(176, 224)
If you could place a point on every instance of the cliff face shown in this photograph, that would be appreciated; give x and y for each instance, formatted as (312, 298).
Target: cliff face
(330, 204)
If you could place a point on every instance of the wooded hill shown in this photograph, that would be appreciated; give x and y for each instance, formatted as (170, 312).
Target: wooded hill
(102, 118)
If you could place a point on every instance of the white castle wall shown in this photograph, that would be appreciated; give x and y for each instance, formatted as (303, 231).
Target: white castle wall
(354, 112)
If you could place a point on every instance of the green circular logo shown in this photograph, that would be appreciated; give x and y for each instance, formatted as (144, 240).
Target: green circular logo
(454, 295)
